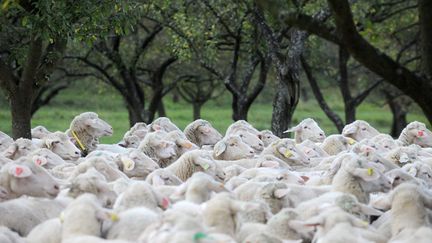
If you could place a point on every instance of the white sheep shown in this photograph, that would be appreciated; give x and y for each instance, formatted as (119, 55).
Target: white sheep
(183, 145)
(416, 133)
(267, 137)
(198, 188)
(26, 178)
(140, 194)
(307, 129)
(359, 130)
(60, 144)
(249, 138)
(163, 124)
(19, 148)
(5, 141)
(334, 144)
(39, 132)
(106, 167)
(201, 132)
(158, 148)
(286, 150)
(136, 164)
(194, 161)
(46, 158)
(86, 129)
(163, 177)
(232, 147)
(241, 124)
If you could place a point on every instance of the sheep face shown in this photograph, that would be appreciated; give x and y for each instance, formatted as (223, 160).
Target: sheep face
(359, 130)
(370, 174)
(165, 149)
(137, 164)
(419, 170)
(232, 148)
(308, 129)
(131, 141)
(98, 127)
(19, 148)
(209, 166)
(46, 158)
(419, 133)
(164, 124)
(267, 137)
(398, 176)
(207, 135)
(27, 178)
(290, 153)
(39, 132)
(60, 144)
(250, 139)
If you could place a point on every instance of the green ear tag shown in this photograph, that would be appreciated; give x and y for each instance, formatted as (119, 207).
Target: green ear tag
(199, 235)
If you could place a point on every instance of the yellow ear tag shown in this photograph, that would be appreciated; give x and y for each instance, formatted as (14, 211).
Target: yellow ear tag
(351, 141)
(128, 164)
(370, 171)
(205, 166)
(61, 217)
(188, 145)
(114, 217)
(288, 153)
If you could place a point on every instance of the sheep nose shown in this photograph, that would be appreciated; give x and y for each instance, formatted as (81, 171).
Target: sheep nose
(321, 135)
(261, 144)
(56, 187)
(77, 153)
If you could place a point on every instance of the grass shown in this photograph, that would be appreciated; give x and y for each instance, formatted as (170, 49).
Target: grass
(87, 96)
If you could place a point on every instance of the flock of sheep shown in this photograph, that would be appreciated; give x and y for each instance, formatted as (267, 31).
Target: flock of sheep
(161, 184)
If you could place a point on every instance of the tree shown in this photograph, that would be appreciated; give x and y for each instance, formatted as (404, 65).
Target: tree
(132, 67)
(416, 85)
(33, 39)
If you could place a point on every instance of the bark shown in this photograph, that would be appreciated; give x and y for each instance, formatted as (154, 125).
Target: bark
(399, 119)
(197, 110)
(425, 17)
(161, 109)
(333, 116)
(350, 106)
(20, 105)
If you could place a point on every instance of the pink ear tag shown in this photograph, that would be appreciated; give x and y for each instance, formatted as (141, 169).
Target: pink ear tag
(420, 133)
(38, 161)
(165, 203)
(18, 171)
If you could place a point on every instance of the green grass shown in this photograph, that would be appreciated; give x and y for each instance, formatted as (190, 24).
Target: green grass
(87, 96)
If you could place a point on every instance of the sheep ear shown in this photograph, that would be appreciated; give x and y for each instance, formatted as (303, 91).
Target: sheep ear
(49, 143)
(157, 181)
(128, 164)
(368, 174)
(20, 171)
(293, 129)
(314, 221)
(349, 129)
(280, 193)
(365, 209)
(39, 160)
(219, 148)
(10, 151)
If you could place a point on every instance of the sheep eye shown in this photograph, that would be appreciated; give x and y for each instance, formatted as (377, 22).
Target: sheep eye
(268, 137)
(397, 178)
(232, 144)
(241, 135)
(363, 129)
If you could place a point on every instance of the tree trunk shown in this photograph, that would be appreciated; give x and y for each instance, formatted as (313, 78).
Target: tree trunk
(282, 113)
(425, 17)
(197, 110)
(135, 113)
(240, 109)
(20, 105)
(161, 109)
(350, 107)
(399, 121)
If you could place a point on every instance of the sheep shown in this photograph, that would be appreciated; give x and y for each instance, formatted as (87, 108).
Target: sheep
(26, 178)
(241, 124)
(286, 150)
(194, 161)
(5, 141)
(250, 139)
(46, 158)
(141, 194)
(219, 213)
(232, 147)
(409, 205)
(136, 164)
(134, 136)
(201, 132)
(157, 148)
(21, 215)
(359, 177)
(275, 174)
(334, 144)
(8, 236)
(48, 231)
(183, 145)
(267, 137)
(131, 223)
(359, 130)
(420, 170)
(384, 142)
(164, 124)
(92, 182)
(402, 155)
(86, 129)
(398, 176)
(163, 177)
(19, 148)
(198, 187)
(102, 165)
(60, 144)
(415, 133)
(307, 129)
(312, 150)
(39, 132)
